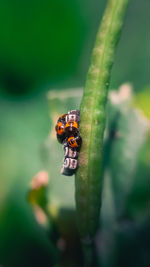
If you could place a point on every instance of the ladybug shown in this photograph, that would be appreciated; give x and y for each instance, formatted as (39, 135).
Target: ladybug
(75, 142)
(60, 130)
(71, 127)
(62, 118)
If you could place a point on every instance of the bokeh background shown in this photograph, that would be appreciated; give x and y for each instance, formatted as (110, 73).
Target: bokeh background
(46, 45)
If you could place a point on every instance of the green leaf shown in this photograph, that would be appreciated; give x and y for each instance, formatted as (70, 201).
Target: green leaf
(141, 101)
(129, 135)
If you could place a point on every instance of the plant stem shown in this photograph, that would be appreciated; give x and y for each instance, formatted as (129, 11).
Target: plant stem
(88, 180)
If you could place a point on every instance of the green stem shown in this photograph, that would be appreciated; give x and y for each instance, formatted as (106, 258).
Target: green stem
(89, 176)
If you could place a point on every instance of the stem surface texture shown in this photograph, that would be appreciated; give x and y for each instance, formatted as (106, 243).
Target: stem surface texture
(88, 181)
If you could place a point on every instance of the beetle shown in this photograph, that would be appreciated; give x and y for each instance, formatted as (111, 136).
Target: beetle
(67, 130)
(62, 118)
(71, 127)
(60, 130)
(75, 142)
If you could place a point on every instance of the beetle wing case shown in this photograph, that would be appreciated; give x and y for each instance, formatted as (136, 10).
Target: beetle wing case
(61, 138)
(62, 118)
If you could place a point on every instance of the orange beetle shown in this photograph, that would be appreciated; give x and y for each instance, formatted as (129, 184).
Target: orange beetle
(75, 141)
(60, 130)
(62, 118)
(71, 127)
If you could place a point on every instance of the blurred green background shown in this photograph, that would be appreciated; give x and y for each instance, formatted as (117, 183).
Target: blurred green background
(44, 45)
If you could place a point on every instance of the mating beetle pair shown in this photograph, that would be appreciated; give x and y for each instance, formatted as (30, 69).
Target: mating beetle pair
(67, 130)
